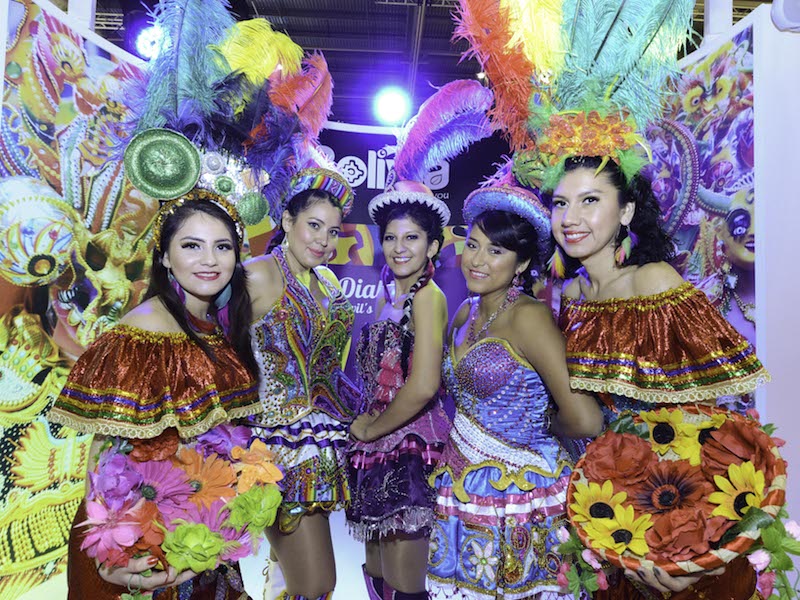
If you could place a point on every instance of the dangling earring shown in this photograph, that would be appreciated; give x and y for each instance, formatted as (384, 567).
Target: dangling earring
(557, 264)
(513, 291)
(626, 246)
(284, 242)
(176, 286)
(223, 313)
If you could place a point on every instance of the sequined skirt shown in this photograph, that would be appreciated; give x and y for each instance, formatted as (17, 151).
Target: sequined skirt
(311, 453)
(390, 490)
(500, 544)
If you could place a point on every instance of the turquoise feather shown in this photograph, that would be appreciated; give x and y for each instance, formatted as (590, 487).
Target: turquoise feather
(185, 70)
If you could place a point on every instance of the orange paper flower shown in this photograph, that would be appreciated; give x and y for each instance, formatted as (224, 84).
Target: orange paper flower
(162, 447)
(212, 477)
(625, 458)
(255, 465)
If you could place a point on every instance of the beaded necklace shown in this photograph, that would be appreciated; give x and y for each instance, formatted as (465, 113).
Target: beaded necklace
(472, 337)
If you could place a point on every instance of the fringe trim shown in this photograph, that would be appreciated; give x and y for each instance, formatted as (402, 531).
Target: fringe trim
(410, 520)
(217, 416)
(740, 387)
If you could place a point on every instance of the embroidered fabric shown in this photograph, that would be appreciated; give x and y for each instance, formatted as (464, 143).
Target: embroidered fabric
(388, 476)
(501, 482)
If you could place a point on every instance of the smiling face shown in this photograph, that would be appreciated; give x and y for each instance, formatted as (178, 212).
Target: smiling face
(312, 234)
(586, 215)
(201, 255)
(406, 248)
(487, 267)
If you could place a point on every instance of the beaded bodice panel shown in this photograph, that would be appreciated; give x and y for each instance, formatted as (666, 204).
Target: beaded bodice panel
(299, 346)
(496, 388)
(501, 416)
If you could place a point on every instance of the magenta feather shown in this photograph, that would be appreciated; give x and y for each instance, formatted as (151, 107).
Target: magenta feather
(446, 124)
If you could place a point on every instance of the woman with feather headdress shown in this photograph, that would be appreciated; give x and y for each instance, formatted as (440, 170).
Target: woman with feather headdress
(637, 334)
(402, 428)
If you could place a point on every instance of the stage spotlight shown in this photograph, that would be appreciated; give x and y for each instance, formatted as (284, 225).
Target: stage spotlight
(142, 38)
(391, 106)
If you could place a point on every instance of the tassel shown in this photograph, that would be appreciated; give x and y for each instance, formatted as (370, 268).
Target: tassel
(556, 264)
(623, 251)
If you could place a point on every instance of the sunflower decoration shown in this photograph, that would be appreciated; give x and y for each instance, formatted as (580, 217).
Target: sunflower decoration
(596, 501)
(625, 531)
(742, 490)
(685, 489)
(667, 430)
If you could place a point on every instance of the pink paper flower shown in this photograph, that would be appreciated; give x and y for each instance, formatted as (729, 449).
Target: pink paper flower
(563, 534)
(793, 529)
(591, 558)
(561, 578)
(759, 559)
(602, 581)
(110, 531)
(165, 485)
(766, 583)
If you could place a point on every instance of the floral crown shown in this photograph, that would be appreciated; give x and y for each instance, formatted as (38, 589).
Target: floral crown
(197, 195)
(317, 178)
(575, 78)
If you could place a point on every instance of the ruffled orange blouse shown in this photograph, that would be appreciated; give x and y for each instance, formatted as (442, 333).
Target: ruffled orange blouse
(135, 384)
(672, 347)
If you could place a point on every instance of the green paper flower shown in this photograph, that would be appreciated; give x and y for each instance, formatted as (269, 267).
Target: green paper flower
(193, 546)
(256, 508)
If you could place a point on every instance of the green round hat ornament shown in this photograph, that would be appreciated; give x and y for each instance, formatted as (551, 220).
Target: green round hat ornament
(162, 163)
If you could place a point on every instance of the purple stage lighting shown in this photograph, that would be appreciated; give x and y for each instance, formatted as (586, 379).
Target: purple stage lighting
(142, 38)
(391, 106)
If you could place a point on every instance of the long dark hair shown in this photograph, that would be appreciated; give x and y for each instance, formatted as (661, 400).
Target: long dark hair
(655, 245)
(510, 231)
(430, 224)
(239, 308)
(300, 202)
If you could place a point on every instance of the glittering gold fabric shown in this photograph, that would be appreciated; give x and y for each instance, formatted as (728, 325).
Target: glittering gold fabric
(672, 347)
(136, 384)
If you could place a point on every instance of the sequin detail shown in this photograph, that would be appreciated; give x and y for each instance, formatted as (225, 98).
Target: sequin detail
(672, 347)
(106, 393)
(388, 476)
(307, 399)
(501, 482)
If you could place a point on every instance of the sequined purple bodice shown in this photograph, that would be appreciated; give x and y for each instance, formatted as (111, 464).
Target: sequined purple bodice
(378, 357)
(495, 388)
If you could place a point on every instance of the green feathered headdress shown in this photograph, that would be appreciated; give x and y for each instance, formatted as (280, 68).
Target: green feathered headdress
(598, 72)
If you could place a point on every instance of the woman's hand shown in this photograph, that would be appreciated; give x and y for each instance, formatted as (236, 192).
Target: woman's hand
(137, 575)
(359, 428)
(659, 580)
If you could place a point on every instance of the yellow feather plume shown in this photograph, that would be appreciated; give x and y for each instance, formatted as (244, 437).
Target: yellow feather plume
(257, 50)
(536, 29)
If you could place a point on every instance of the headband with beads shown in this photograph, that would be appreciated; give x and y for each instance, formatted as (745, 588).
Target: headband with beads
(197, 195)
(317, 178)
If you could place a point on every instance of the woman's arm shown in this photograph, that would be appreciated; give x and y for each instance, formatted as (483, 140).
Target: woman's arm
(544, 347)
(429, 315)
